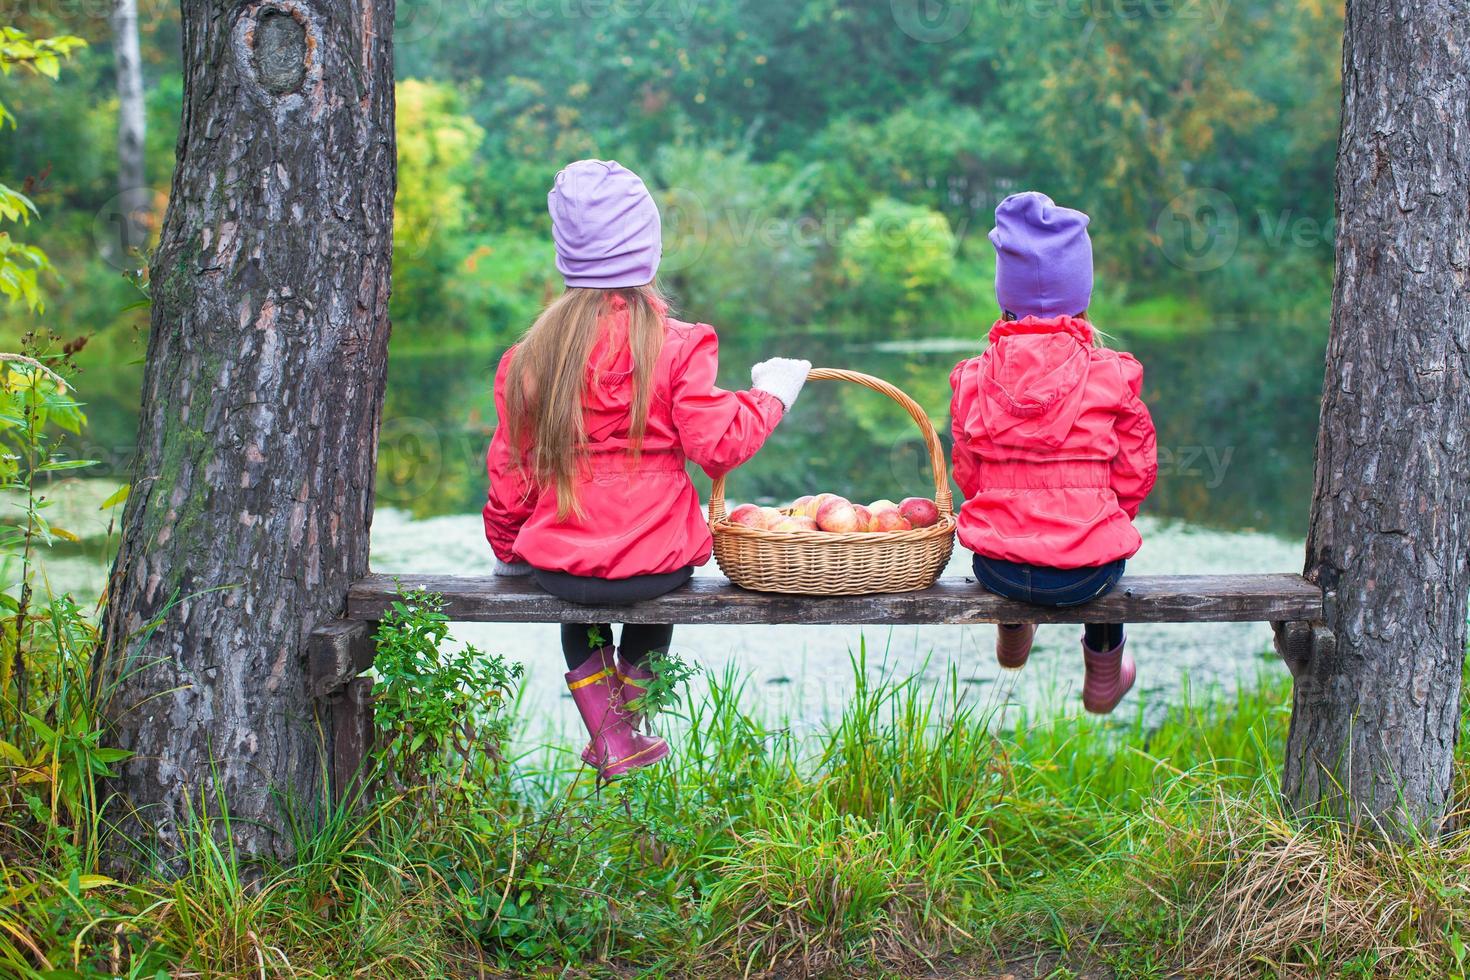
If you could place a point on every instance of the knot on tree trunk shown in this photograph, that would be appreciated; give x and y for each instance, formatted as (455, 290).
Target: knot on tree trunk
(277, 47)
(281, 50)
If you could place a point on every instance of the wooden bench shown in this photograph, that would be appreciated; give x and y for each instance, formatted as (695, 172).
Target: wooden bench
(953, 601)
(339, 652)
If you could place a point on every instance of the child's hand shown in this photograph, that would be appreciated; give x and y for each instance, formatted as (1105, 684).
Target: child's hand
(780, 376)
(512, 569)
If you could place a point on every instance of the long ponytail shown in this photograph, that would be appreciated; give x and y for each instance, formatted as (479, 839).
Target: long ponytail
(551, 370)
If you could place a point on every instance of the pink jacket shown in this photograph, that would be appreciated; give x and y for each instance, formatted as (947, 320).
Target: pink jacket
(1053, 450)
(638, 518)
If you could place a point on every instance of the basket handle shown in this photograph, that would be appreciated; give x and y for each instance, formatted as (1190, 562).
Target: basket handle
(943, 499)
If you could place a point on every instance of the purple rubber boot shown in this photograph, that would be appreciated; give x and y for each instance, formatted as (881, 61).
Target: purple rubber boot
(1108, 676)
(1013, 644)
(615, 746)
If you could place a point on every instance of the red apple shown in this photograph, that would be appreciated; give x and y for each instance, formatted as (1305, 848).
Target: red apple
(865, 517)
(795, 523)
(889, 519)
(818, 502)
(747, 515)
(800, 504)
(838, 516)
(878, 505)
(920, 511)
(770, 517)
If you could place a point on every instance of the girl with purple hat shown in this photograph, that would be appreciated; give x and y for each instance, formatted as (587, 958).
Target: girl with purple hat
(600, 404)
(1053, 449)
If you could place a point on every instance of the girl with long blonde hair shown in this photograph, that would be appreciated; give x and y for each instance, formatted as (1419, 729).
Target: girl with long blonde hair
(599, 406)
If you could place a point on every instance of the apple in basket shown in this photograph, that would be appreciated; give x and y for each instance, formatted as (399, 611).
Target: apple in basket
(819, 501)
(885, 504)
(865, 517)
(796, 522)
(800, 504)
(838, 516)
(889, 519)
(919, 511)
(748, 515)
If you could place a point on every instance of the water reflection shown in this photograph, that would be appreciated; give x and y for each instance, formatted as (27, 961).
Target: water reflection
(1236, 412)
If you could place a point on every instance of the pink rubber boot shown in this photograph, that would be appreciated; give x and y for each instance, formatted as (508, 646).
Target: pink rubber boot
(634, 684)
(1108, 676)
(616, 746)
(1013, 644)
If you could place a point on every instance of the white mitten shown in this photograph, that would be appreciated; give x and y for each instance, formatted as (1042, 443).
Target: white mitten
(513, 569)
(780, 376)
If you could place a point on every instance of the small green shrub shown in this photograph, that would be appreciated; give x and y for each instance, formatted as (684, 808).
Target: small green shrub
(441, 714)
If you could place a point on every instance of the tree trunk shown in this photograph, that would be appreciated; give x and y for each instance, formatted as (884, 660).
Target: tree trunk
(132, 127)
(250, 512)
(1376, 713)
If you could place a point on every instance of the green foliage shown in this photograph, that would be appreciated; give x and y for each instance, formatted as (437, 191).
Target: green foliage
(739, 242)
(52, 755)
(20, 264)
(436, 144)
(671, 677)
(894, 258)
(441, 715)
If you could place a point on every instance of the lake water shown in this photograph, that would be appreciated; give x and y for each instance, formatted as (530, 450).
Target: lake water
(1236, 416)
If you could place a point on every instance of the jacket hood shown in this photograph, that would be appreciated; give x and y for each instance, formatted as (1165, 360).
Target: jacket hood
(1033, 377)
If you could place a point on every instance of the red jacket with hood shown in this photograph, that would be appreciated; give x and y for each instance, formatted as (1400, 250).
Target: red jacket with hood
(1053, 450)
(639, 517)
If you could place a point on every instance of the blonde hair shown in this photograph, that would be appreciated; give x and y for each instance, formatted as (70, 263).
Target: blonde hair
(551, 370)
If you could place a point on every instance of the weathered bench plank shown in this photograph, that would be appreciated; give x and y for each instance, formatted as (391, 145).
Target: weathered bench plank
(954, 600)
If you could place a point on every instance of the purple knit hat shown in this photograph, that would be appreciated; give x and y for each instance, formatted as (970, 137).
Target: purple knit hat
(606, 226)
(1043, 257)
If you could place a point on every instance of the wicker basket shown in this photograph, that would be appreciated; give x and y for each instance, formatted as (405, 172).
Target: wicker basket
(825, 563)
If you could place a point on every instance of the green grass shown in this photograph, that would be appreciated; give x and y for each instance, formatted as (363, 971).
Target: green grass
(910, 834)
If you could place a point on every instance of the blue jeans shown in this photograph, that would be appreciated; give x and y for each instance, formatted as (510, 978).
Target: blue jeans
(1056, 587)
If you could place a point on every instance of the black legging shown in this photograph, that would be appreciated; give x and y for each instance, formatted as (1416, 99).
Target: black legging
(580, 641)
(1103, 637)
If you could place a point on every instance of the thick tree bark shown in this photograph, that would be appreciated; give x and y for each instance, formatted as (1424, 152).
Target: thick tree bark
(1377, 713)
(132, 123)
(266, 362)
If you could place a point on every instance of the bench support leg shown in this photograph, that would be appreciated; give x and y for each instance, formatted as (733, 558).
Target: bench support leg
(337, 654)
(1300, 643)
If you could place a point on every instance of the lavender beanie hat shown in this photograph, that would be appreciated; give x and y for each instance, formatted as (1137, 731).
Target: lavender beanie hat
(606, 226)
(1043, 257)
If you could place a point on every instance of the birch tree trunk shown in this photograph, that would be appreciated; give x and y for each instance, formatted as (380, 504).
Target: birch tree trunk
(1377, 713)
(261, 402)
(132, 126)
